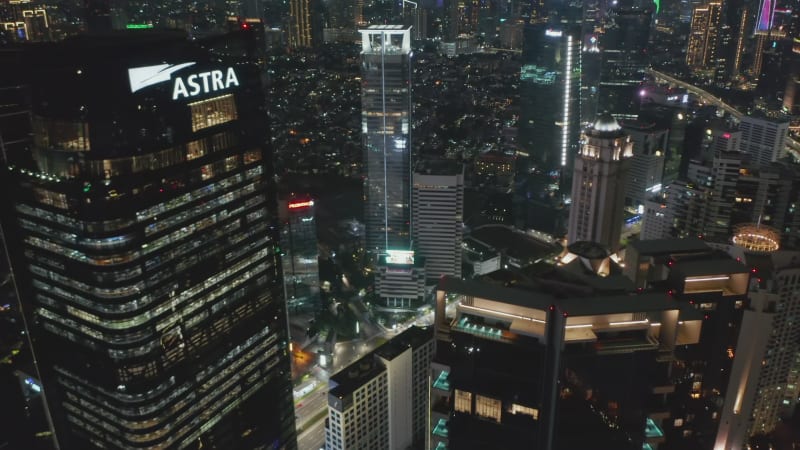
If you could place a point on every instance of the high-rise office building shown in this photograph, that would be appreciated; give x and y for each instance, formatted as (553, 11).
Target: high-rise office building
(381, 400)
(647, 165)
(145, 244)
(300, 253)
(715, 285)
(550, 93)
(300, 23)
(438, 216)
(598, 184)
(624, 60)
(528, 366)
(702, 47)
(386, 135)
(765, 378)
(764, 138)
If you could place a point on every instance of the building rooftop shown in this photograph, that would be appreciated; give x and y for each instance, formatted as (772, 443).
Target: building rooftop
(708, 266)
(355, 375)
(655, 247)
(368, 367)
(414, 337)
(575, 305)
(439, 167)
(513, 243)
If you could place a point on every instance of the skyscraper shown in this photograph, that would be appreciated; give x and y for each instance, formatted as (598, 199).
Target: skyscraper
(300, 23)
(553, 363)
(598, 184)
(550, 92)
(766, 370)
(437, 214)
(145, 244)
(702, 49)
(386, 135)
(764, 138)
(300, 254)
(624, 60)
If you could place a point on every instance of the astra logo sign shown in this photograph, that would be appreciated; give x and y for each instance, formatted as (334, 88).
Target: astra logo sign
(182, 87)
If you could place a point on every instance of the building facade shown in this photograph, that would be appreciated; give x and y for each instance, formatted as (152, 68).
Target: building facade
(525, 367)
(145, 247)
(386, 135)
(764, 138)
(381, 400)
(598, 184)
(437, 215)
(701, 50)
(300, 254)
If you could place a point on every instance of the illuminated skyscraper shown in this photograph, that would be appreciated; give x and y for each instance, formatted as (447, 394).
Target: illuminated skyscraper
(386, 135)
(598, 184)
(146, 242)
(702, 49)
(550, 92)
(300, 23)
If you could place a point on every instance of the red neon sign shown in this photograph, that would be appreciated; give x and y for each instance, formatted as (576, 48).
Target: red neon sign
(301, 204)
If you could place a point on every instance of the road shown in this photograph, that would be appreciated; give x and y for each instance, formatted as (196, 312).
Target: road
(313, 438)
(704, 95)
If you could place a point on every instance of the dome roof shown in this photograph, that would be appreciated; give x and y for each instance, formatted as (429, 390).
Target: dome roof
(606, 122)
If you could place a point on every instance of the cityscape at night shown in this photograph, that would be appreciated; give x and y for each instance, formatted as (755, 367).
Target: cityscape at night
(400, 225)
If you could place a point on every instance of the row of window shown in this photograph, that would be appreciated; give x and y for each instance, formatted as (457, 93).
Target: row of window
(197, 194)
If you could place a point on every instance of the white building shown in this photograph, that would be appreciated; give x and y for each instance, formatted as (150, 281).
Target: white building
(764, 138)
(647, 165)
(437, 210)
(598, 184)
(765, 378)
(381, 401)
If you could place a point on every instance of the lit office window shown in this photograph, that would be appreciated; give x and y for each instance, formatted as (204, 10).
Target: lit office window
(214, 111)
(60, 134)
(463, 401)
(487, 407)
(519, 409)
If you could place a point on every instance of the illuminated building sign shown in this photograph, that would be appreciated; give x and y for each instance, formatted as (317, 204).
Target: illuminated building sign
(183, 87)
(399, 257)
(299, 205)
(553, 33)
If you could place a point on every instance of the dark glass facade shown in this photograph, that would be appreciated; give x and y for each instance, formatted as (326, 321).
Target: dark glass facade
(145, 244)
(300, 254)
(549, 94)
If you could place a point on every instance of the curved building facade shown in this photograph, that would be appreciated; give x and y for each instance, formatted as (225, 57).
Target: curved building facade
(145, 245)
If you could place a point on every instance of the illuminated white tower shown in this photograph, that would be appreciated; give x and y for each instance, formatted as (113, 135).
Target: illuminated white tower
(598, 184)
(386, 134)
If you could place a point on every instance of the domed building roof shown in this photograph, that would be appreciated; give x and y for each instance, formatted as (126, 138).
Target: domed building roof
(606, 122)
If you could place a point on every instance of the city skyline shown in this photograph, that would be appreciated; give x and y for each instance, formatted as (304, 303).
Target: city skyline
(259, 224)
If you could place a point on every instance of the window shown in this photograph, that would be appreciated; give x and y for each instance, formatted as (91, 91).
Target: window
(60, 134)
(487, 407)
(519, 409)
(51, 198)
(463, 401)
(211, 112)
